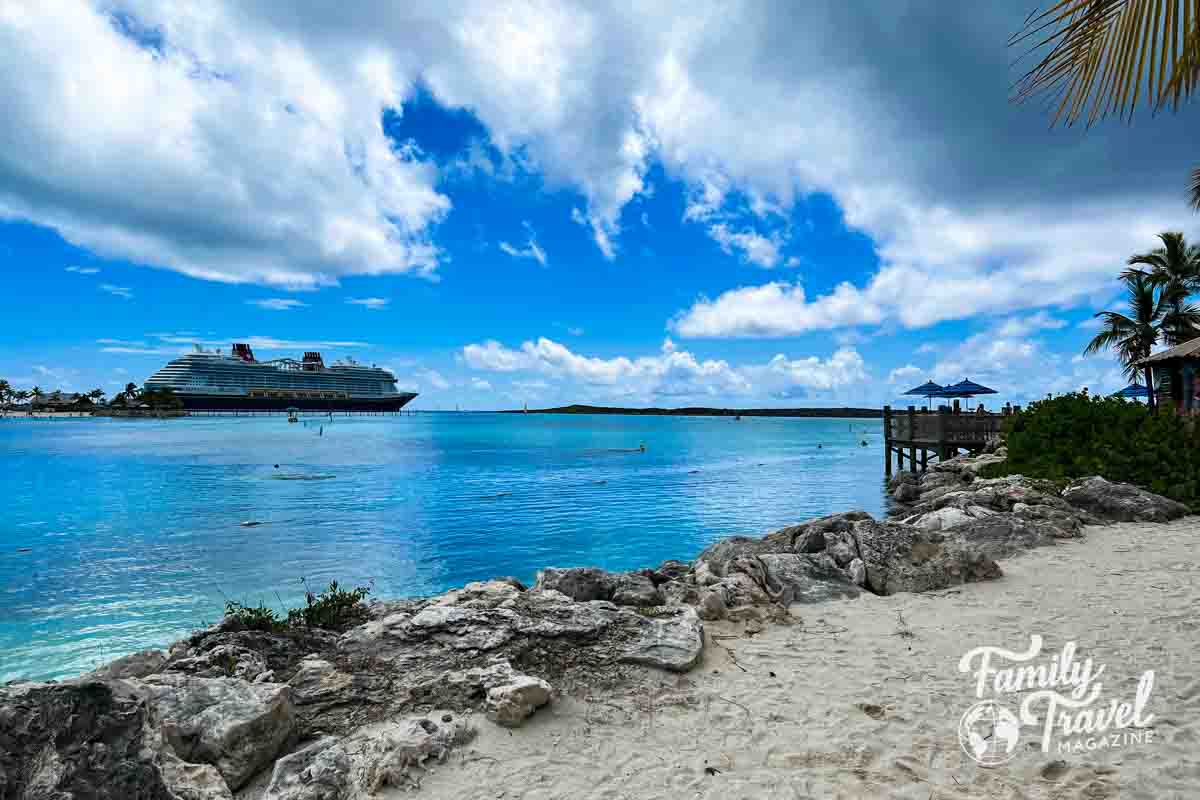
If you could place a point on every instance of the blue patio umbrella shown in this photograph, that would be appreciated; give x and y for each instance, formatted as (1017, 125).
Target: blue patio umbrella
(1133, 390)
(967, 388)
(927, 390)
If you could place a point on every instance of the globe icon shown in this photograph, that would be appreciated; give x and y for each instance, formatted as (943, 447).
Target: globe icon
(988, 733)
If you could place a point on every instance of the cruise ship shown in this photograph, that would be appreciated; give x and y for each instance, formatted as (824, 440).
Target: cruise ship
(239, 382)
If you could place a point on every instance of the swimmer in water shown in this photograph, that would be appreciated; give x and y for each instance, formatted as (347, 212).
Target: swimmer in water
(642, 447)
(276, 466)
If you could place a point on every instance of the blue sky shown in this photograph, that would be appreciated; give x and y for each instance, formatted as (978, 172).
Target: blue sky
(552, 203)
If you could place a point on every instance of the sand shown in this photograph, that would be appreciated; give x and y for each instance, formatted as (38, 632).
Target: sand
(863, 698)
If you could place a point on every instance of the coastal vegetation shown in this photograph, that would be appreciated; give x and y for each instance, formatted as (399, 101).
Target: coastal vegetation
(334, 608)
(1159, 286)
(1077, 435)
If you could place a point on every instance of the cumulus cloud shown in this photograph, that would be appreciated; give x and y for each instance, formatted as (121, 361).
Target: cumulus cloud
(218, 149)
(372, 303)
(775, 309)
(903, 374)
(242, 142)
(671, 372)
(278, 303)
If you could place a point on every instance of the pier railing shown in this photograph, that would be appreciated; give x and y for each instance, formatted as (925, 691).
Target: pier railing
(942, 432)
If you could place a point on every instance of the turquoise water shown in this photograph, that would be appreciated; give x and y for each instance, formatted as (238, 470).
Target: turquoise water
(123, 534)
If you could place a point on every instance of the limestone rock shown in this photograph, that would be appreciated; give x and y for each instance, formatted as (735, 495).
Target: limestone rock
(940, 519)
(808, 578)
(1122, 502)
(223, 661)
(674, 642)
(635, 589)
(236, 726)
(91, 740)
(134, 665)
(319, 771)
(510, 704)
(578, 583)
(372, 759)
(901, 558)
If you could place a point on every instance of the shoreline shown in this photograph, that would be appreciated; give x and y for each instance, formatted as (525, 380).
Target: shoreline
(443, 679)
(813, 413)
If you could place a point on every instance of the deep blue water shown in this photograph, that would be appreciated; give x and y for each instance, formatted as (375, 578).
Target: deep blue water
(120, 535)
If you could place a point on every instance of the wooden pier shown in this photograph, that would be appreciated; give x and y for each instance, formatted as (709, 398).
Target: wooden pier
(918, 434)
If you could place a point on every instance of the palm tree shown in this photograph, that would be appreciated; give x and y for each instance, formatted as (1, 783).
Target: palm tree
(1133, 337)
(1174, 269)
(95, 394)
(1106, 56)
(36, 393)
(21, 395)
(131, 391)
(6, 393)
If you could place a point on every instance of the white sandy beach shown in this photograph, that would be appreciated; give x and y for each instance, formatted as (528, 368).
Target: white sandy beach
(841, 704)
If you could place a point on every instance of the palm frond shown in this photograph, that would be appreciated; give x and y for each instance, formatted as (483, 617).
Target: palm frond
(1194, 189)
(1105, 56)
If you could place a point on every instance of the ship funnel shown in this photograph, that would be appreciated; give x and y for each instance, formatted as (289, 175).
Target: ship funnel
(312, 361)
(243, 351)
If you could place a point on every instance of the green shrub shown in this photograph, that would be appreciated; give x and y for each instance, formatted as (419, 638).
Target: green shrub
(1074, 436)
(334, 608)
(251, 618)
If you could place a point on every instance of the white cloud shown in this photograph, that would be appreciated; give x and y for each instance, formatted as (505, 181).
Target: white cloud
(904, 374)
(752, 246)
(278, 303)
(479, 384)
(373, 303)
(1010, 358)
(83, 270)
(248, 145)
(119, 291)
(229, 153)
(775, 309)
(531, 250)
(671, 372)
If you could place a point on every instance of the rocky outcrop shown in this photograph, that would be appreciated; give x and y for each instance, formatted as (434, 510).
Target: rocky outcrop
(92, 740)
(585, 584)
(1122, 502)
(134, 665)
(236, 726)
(901, 558)
(374, 758)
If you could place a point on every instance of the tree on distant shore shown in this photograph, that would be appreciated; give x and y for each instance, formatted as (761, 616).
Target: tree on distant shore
(131, 392)
(6, 393)
(95, 395)
(21, 395)
(1174, 270)
(36, 394)
(1133, 337)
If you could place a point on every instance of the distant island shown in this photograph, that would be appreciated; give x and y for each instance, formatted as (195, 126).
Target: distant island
(856, 413)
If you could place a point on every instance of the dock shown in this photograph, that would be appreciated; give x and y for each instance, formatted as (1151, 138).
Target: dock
(919, 435)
